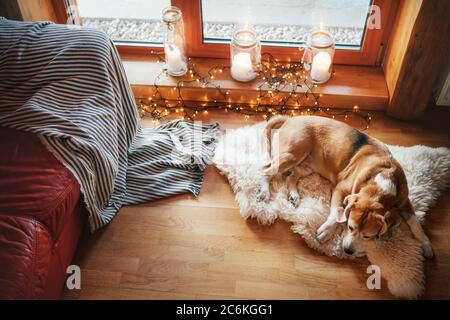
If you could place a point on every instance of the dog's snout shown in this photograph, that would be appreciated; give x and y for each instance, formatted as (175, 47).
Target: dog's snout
(348, 251)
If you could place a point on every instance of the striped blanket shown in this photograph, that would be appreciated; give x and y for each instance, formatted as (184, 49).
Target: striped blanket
(67, 85)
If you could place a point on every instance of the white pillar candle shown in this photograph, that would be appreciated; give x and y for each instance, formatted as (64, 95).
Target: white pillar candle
(242, 67)
(321, 67)
(174, 59)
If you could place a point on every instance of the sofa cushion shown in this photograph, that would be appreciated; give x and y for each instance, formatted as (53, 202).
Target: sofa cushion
(34, 183)
(25, 252)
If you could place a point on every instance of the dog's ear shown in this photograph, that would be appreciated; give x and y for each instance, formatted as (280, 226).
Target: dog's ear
(389, 221)
(349, 203)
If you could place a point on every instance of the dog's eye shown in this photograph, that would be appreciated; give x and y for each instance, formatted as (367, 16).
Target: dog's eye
(367, 237)
(350, 228)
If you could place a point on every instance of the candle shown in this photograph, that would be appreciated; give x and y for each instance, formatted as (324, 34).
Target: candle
(174, 60)
(321, 67)
(242, 67)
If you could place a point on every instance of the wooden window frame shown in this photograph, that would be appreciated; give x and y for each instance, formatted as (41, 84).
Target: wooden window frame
(60, 9)
(371, 53)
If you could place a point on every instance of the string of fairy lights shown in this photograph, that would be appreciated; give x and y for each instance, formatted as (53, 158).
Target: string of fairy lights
(285, 89)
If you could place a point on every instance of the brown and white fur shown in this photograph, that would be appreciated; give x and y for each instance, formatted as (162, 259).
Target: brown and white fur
(371, 191)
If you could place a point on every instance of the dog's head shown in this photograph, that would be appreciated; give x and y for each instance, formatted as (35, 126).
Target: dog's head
(367, 218)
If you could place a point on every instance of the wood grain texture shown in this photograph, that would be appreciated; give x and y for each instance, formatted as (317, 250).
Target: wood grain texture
(10, 10)
(200, 248)
(399, 39)
(349, 86)
(419, 47)
(37, 10)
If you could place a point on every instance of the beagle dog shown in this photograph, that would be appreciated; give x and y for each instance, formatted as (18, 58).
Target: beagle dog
(370, 188)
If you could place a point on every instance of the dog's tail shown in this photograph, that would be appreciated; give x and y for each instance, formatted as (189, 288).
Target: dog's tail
(273, 123)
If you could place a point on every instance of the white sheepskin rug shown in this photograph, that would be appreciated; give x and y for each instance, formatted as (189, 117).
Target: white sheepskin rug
(239, 156)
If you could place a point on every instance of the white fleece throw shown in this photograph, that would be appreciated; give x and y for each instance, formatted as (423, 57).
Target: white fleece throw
(240, 156)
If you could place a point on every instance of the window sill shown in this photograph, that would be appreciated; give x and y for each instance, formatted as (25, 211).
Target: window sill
(350, 85)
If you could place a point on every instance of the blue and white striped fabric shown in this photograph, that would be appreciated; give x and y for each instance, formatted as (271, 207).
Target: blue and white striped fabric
(67, 85)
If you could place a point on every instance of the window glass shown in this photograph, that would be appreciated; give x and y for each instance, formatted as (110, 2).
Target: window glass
(125, 20)
(286, 22)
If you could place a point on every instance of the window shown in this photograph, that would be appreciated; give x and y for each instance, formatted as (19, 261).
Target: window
(286, 22)
(125, 21)
(282, 25)
(361, 46)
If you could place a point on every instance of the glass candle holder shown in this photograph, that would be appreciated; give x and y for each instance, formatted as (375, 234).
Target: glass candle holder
(318, 56)
(245, 55)
(174, 43)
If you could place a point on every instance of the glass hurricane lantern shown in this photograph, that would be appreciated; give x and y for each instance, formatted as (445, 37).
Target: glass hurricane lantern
(318, 56)
(174, 42)
(245, 55)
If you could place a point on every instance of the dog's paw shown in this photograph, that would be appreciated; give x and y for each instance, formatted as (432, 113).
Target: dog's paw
(428, 251)
(325, 232)
(264, 195)
(294, 199)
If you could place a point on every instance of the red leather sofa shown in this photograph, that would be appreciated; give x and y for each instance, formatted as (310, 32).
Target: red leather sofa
(41, 218)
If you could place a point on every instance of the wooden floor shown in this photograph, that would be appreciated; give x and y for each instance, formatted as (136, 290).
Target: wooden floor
(187, 248)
